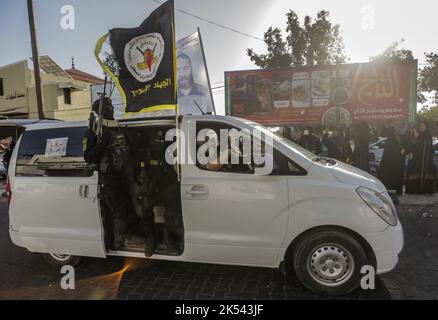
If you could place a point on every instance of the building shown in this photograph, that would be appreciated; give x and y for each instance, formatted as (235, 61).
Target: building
(66, 93)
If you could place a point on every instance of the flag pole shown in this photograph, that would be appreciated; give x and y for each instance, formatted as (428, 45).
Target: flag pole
(206, 69)
(178, 136)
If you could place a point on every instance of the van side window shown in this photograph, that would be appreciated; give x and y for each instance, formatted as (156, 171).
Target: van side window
(53, 153)
(223, 161)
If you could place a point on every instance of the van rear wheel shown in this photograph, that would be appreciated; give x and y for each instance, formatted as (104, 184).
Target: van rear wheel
(59, 260)
(329, 262)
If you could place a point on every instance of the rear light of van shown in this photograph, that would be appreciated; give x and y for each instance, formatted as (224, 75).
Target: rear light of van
(8, 190)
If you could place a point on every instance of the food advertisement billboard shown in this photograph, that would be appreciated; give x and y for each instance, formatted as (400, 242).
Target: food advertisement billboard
(330, 95)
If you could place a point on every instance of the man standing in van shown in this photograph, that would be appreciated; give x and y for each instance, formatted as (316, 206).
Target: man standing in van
(110, 157)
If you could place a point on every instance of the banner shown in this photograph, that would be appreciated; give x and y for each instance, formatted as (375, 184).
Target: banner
(194, 90)
(346, 94)
(143, 62)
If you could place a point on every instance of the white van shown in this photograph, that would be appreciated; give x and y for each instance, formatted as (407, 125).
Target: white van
(318, 218)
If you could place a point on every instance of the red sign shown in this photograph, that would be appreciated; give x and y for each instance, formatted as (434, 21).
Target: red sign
(323, 95)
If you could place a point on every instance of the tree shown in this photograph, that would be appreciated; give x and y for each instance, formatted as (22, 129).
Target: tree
(428, 81)
(316, 42)
(430, 115)
(427, 76)
(393, 54)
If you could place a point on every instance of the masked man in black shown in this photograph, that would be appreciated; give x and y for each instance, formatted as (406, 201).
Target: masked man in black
(110, 157)
(154, 183)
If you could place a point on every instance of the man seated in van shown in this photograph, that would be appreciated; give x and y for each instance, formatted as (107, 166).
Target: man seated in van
(224, 159)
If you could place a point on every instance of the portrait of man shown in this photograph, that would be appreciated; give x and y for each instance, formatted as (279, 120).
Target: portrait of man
(186, 82)
(193, 98)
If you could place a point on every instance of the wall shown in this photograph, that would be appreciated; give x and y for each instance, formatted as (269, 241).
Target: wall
(18, 80)
(15, 87)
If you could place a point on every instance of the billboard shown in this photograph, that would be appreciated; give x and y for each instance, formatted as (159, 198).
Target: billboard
(343, 94)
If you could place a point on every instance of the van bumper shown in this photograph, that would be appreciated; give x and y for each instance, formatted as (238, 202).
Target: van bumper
(15, 238)
(387, 246)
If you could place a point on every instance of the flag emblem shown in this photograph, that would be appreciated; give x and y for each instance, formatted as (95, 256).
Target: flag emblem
(143, 56)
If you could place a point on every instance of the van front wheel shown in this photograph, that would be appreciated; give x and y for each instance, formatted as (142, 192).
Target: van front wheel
(59, 260)
(329, 262)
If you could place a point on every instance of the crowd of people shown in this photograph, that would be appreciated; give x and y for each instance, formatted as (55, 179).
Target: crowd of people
(407, 157)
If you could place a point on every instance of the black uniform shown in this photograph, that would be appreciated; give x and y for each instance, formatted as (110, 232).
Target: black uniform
(110, 158)
(154, 183)
(141, 190)
(170, 198)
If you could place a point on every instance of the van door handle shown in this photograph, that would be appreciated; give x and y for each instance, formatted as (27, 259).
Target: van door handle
(84, 191)
(196, 192)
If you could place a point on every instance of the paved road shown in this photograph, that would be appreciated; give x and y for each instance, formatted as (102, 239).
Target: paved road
(24, 275)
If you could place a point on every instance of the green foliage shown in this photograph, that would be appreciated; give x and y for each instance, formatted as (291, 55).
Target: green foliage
(315, 42)
(394, 55)
(430, 114)
(427, 76)
(428, 80)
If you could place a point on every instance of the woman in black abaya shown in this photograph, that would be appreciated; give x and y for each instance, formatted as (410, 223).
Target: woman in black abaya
(421, 171)
(361, 153)
(392, 166)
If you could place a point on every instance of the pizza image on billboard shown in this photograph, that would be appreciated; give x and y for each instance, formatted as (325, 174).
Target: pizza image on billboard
(330, 117)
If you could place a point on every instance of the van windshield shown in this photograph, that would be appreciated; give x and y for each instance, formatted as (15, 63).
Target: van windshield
(291, 145)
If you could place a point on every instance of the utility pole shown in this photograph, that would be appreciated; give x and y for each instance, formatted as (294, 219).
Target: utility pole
(35, 58)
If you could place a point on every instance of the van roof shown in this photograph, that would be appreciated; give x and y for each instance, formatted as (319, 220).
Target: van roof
(55, 125)
(26, 122)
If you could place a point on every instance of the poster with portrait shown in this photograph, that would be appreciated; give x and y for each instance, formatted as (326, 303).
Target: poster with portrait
(193, 85)
(56, 147)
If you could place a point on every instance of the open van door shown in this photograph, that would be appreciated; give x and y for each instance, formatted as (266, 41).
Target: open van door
(54, 206)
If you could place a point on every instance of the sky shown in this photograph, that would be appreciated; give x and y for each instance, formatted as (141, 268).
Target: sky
(368, 27)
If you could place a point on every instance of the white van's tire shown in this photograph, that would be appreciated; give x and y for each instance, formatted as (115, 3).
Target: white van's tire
(59, 260)
(328, 262)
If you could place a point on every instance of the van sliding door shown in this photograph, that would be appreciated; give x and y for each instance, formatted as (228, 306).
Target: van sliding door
(56, 208)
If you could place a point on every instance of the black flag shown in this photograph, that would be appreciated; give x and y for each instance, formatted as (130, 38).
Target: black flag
(145, 59)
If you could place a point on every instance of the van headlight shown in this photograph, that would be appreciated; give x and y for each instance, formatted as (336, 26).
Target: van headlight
(380, 204)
